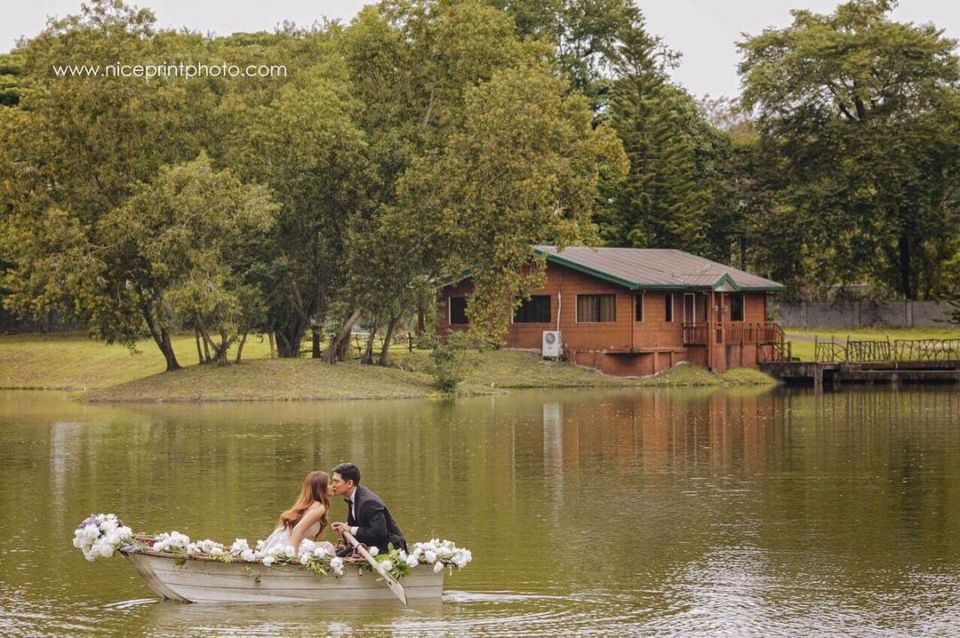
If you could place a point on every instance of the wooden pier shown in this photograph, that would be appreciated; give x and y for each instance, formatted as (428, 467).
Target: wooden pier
(819, 373)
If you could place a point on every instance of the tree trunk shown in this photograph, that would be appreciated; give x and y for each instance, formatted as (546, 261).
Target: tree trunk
(167, 349)
(289, 338)
(223, 348)
(387, 338)
(906, 267)
(367, 358)
(315, 329)
(206, 348)
(273, 344)
(196, 335)
(161, 337)
(243, 340)
(343, 337)
(421, 322)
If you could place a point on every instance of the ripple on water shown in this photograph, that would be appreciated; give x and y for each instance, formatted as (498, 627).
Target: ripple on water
(491, 613)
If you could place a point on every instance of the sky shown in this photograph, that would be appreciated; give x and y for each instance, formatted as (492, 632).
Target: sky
(705, 32)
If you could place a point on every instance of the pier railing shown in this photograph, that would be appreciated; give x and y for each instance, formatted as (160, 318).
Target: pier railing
(876, 350)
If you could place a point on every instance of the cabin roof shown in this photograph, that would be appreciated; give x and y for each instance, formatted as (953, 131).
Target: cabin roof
(656, 268)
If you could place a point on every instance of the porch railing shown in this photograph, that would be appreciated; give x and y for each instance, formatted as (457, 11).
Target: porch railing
(694, 334)
(735, 334)
(759, 333)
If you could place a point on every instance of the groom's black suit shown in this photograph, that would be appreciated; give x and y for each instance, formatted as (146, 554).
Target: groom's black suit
(375, 526)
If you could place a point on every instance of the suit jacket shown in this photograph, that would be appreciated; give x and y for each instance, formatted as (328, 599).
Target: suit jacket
(375, 526)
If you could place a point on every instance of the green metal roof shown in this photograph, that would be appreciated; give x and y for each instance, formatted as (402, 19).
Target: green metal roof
(655, 269)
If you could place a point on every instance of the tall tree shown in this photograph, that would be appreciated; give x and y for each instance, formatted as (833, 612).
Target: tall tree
(185, 244)
(585, 34)
(411, 63)
(74, 148)
(524, 169)
(306, 146)
(664, 200)
(862, 116)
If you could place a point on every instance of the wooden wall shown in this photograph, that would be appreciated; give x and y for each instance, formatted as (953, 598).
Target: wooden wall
(626, 346)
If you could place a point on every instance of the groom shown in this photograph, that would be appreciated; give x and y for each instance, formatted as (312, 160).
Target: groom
(368, 519)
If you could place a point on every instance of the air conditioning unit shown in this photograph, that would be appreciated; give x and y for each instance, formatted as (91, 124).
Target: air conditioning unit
(551, 344)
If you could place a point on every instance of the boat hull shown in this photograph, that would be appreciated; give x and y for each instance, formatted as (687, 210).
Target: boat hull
(209, 581)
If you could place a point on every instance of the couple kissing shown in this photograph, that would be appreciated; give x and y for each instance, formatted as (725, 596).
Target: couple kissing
(368, 519)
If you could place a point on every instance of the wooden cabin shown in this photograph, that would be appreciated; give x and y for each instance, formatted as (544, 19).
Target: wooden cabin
(637, 311)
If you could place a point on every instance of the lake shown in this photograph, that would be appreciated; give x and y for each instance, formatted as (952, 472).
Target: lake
(667, 512)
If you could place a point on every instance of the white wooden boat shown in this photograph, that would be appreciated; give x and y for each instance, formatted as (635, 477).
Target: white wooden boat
(207, 580)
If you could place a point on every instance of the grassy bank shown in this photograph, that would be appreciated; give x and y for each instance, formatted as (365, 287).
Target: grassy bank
(74, 362)
(112, 373)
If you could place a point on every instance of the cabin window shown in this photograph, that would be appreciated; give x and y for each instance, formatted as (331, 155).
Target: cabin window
(596, 308)
(639, 312)
(536, 309)
(458, 310)
(736, 307)
(668, 307)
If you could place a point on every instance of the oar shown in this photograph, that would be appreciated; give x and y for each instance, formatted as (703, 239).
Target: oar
(391, 582)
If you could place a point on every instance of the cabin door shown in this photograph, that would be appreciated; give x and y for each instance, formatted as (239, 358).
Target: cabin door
(689, 308)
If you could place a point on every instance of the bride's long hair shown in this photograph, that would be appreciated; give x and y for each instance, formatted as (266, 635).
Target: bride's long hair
(314, 490)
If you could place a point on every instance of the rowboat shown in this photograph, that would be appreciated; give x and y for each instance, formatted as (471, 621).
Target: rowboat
(199, 579)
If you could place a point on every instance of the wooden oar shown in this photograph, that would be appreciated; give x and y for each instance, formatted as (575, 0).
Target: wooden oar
(391, 582)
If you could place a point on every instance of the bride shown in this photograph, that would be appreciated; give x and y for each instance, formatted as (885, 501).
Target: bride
(308, 516)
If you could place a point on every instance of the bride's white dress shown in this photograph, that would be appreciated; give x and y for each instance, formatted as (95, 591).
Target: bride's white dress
(280, 537)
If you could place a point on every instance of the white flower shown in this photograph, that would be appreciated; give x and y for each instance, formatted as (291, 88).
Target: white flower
(431, 556)
(437, 568)
(239, 546)
(412, 561)
(268, 560)
(172, 541)
(387, 565)
(248, 555)
(374, 551)
(99, 535)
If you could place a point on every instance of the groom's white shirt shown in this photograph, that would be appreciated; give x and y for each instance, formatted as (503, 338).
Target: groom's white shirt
(353, 510)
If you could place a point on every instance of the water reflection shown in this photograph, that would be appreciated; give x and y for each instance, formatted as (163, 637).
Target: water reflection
(667, 512)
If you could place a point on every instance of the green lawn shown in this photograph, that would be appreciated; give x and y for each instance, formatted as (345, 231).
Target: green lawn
(112, 373)
(73, 362)
(804, 347)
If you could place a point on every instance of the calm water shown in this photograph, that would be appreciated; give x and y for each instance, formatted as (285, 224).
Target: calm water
(661, 513)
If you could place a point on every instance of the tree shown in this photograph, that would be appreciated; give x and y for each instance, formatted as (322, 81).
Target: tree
(524, 169)
(665, 199)
(862, 119)
(411, 63)
(73, 149)
(185, 244)
(306, 146)
(586, 36)
(11, 72)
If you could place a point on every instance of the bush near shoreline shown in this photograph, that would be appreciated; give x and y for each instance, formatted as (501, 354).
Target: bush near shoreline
(111, 373)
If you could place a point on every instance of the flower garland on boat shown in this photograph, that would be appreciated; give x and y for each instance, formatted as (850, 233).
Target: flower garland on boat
(100, 535)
